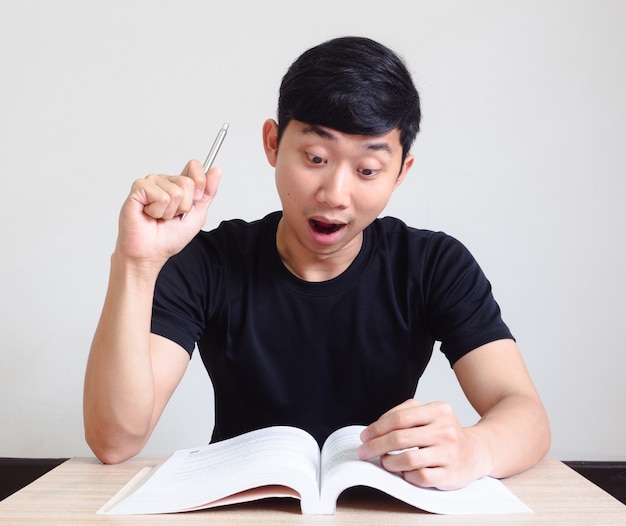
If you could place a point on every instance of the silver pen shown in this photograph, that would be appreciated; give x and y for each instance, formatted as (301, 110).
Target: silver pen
(208, 162)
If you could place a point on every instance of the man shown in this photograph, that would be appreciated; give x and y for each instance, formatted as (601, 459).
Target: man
(320, 315)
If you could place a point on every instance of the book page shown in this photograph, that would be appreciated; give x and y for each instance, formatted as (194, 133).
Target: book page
(341, 469)
(195, 478)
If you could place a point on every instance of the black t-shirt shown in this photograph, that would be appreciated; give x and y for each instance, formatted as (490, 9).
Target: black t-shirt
(280, 350)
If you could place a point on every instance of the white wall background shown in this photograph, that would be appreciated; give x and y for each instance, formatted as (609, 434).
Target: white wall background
(522, 156)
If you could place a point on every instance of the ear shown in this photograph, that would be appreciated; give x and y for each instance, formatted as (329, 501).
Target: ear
(406, 166)
(270, 140)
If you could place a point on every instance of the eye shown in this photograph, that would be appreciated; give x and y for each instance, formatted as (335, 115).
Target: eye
(315, 159)
(368, 172)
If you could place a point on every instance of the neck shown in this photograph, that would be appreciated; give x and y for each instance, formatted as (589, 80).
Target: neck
(311, 266)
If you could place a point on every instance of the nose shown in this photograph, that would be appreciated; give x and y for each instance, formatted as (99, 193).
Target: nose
(334, 190)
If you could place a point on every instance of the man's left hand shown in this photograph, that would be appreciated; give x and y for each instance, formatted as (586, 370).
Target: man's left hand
(427, 445)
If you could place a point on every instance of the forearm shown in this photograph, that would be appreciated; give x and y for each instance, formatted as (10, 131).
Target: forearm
(119, 391)
(512, 436)
(130, 373)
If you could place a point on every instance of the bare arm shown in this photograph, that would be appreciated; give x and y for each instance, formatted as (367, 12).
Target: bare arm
(512, 435)
(131, 373)
(514, 425)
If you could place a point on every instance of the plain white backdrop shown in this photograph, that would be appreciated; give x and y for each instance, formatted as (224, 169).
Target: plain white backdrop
(522, 156)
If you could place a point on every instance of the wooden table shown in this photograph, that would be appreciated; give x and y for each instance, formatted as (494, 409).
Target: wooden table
(73, 492)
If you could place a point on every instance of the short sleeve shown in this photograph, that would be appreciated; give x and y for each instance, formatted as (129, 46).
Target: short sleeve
(462, 312)
(180, 296)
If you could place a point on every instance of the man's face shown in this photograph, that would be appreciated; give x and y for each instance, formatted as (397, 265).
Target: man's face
(332, 185)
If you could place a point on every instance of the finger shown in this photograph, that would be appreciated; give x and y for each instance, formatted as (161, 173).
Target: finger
(423, 467)
(397, 442)
(212, 181)
(406, 459)
(194, 170)
(201, 201)
(205, 186)
(165, 196)
(408, 414)
(429, 477)
(408, 425)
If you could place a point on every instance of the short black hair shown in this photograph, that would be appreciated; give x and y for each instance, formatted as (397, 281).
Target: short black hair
(354, 85)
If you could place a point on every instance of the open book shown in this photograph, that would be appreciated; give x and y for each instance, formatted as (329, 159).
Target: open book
(286, 462)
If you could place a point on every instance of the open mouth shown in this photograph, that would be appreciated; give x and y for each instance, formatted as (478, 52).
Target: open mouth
(325, 228)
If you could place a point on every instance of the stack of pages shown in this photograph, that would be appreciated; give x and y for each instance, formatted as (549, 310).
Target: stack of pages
(287, 462)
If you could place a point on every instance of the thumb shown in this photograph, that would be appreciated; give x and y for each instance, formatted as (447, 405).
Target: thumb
(203, 197)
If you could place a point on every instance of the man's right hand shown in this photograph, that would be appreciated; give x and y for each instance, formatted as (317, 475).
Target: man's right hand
(150, 225)
(132, 373)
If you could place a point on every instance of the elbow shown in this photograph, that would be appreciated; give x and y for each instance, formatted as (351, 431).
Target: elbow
(539, 438)
(111, 455)
(113, 440)
(110, 451)
(547, 436)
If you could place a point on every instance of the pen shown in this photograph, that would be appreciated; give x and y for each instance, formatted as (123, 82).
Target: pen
(215, 148)
(208, 162)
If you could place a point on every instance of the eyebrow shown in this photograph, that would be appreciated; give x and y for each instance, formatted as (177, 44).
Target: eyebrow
(325, 134)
